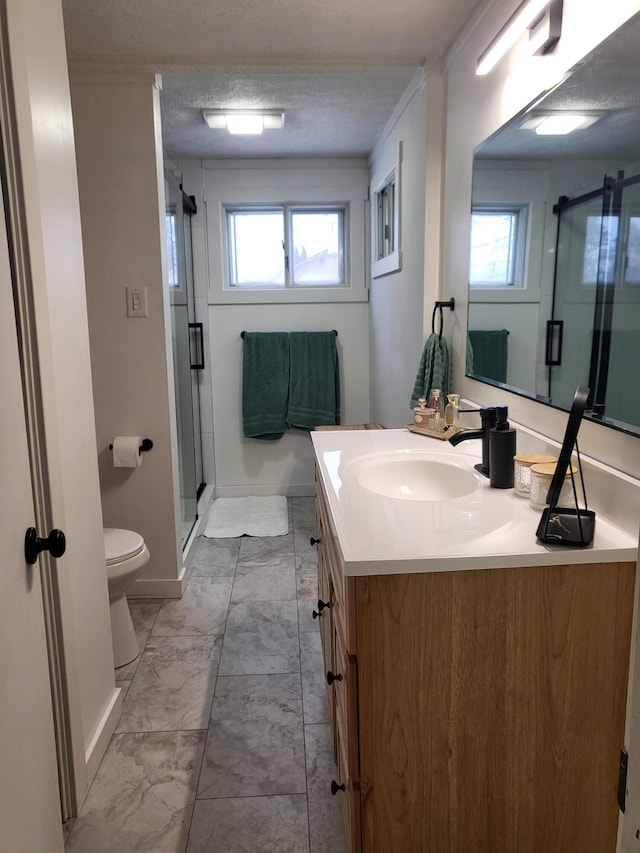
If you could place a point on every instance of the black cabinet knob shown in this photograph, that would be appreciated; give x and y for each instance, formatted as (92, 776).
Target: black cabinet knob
(335, 787)
(315, 614)
(331, 677)
(55, 543)
(313, 541)
(321, 606)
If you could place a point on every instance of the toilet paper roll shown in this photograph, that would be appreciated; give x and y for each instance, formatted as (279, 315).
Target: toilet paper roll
(126, 451)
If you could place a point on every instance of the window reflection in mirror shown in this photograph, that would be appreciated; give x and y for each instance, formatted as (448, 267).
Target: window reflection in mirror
(554, 268)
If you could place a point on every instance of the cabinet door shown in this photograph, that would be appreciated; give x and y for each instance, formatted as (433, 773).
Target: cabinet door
(492, 708)
(349, 800)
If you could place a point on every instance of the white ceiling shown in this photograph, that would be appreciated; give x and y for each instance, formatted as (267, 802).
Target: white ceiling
(338, 69)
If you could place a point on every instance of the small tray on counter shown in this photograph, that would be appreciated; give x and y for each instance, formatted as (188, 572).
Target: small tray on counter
(443, 436)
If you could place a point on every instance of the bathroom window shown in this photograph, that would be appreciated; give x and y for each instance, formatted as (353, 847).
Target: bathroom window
(172, 250)
(385, 221)
(286, 246)
(498, 241)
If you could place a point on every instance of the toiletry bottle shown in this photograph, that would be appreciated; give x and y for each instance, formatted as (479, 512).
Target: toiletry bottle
(502, 448)
(435, 402)
(421, 415)
(452, 412)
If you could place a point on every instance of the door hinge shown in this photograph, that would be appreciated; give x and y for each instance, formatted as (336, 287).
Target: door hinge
(622, 779)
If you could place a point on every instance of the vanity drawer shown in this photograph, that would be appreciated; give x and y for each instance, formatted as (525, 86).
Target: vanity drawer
(350, 801)
(343, 602)
(346, 707)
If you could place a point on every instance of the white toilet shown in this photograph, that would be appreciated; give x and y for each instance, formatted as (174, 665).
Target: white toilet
(126, 553)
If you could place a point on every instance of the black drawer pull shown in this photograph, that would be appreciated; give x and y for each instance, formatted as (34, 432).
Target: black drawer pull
(335, 787)
(331, 677)
(321, 606)
(315, 614)
(313, 541)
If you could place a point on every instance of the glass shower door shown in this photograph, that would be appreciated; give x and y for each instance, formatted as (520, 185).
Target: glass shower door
(597, 301)
(571, 329)
(186, 340)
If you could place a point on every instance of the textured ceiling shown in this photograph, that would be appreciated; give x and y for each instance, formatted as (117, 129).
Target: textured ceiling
(337, 68)
(336, 112)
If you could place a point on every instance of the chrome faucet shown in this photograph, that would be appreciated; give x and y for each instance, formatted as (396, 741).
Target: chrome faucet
(488, 419)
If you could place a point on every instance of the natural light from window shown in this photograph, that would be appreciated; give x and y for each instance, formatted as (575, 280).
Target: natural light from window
(494, 256)
(286, 246)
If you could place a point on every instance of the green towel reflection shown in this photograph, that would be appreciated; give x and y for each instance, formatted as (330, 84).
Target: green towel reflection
(490, 351)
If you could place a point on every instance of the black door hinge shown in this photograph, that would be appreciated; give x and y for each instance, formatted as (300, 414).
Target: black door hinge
(622, 779)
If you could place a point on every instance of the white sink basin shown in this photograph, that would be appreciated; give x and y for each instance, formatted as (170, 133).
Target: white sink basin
(412, 475)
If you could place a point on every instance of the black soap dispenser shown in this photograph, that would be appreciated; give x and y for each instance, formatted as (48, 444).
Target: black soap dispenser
(502, 448)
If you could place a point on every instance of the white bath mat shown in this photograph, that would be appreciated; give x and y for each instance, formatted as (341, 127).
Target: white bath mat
(232, 517)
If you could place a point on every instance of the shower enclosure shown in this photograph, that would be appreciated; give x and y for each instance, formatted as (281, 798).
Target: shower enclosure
(188, 348)
(596, 302)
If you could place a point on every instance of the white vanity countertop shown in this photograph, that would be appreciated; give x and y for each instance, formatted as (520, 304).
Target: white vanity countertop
(489, 528)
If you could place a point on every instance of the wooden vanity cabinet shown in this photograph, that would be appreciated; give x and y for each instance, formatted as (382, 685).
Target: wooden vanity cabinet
(477, 711)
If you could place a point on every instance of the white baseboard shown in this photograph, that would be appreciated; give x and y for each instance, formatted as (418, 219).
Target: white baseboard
(289, 491)
(100, 741)
(158, 587)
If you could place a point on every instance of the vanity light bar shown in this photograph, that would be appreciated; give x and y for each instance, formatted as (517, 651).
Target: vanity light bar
(522, 19)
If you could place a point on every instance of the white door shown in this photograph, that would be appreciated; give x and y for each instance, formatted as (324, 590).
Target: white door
(30, 820)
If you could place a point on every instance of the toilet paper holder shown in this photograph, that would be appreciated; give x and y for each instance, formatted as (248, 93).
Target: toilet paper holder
(145, 444)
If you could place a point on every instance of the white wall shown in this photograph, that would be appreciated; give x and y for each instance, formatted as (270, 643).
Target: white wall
(476, 108)
(251, 466)
(397, 299)
(120, 174)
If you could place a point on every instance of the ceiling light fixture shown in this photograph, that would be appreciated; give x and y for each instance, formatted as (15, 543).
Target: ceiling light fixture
(559, 123)
(527, 16)
(245, 122)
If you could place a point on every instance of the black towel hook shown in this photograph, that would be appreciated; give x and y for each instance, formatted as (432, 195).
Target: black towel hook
(450, 304)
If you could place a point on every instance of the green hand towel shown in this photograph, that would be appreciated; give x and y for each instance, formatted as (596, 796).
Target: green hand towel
(490, 353)
(314, 386)
(433, 370)
(265, 384)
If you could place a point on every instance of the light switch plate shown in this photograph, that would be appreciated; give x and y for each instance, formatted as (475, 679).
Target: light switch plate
(137, 302)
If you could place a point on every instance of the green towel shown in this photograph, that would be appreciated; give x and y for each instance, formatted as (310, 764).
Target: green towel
(490, 350)
(265, 384)
(314, 386)
(433, 370)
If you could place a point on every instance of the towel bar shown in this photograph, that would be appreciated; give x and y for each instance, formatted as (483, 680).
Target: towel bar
(450, 303)
(243, 333)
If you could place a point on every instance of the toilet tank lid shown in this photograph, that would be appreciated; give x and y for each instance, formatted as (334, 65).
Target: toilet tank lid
(121, 544)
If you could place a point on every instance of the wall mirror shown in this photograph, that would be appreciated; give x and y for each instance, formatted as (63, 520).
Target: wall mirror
(554, 270)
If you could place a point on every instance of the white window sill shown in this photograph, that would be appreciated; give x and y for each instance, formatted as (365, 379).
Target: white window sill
(385, 266)
(504, 294)
(262, 296)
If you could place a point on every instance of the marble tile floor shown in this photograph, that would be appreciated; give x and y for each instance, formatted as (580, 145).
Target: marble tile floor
(224, 743)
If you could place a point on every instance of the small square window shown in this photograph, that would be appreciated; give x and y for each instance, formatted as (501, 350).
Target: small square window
(256, 247)
(498, 237)
(317, 241)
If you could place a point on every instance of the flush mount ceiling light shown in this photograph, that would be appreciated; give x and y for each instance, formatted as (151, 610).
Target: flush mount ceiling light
(247, 122)
(542, 17)
(559, 123)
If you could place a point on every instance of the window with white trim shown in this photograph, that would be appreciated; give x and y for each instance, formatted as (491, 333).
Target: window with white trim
(385, 220)
(286, 245)
(498, 242)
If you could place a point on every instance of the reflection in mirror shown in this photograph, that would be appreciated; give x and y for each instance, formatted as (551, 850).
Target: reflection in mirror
(554, 269)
